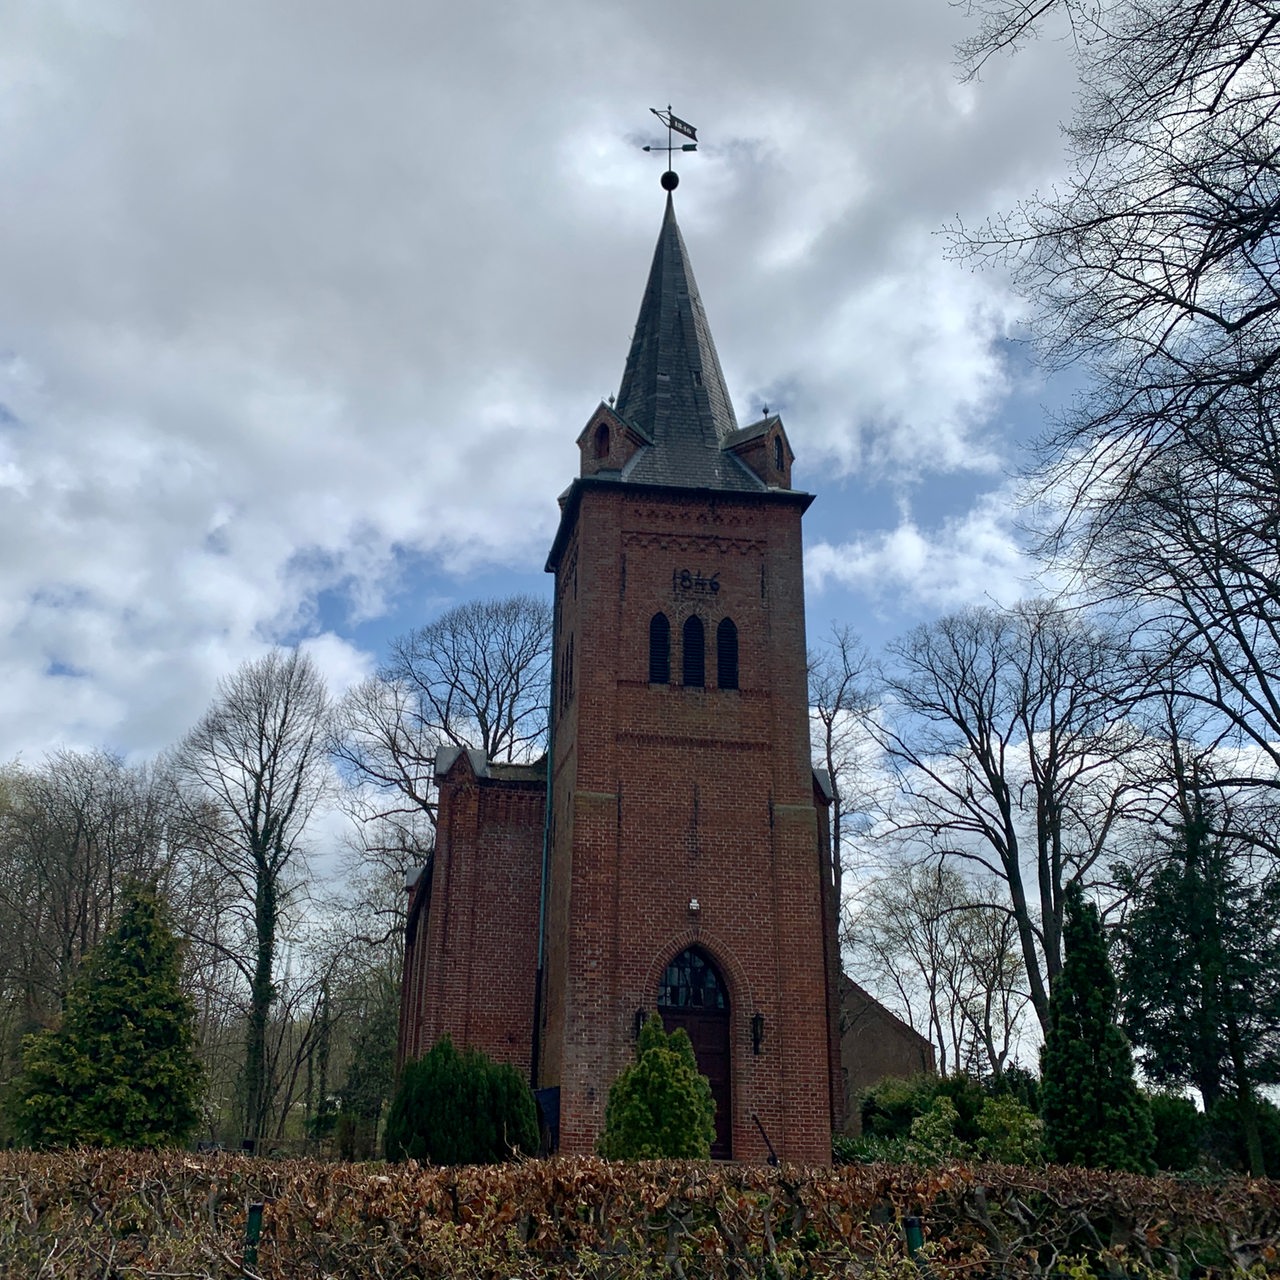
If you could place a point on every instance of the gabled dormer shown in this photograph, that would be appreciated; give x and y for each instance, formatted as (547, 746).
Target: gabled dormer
(764, 449)
(607, 443)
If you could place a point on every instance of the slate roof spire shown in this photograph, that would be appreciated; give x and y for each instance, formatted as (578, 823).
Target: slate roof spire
(673, 388)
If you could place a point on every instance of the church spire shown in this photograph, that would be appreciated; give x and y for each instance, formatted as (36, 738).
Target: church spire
(673, 389)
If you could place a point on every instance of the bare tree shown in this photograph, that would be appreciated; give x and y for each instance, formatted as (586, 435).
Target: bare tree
(1010, 743)
(1155, 262)
(841, 701)
(255, 766)
(1156, 265)
(389, 740)
(479, 676)
(1197, 544)
(933, 945)
(73, 829)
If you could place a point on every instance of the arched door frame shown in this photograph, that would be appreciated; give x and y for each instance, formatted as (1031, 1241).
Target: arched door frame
(711, 1030)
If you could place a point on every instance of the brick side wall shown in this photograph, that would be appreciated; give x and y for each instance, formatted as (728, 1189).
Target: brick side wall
(471, 967)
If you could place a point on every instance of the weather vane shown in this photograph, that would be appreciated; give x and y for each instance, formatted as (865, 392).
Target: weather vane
(671, 179)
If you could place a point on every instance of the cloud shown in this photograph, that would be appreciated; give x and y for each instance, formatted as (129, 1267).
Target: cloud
(974, 558)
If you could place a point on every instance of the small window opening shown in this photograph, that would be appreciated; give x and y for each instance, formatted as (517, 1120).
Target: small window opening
(727, 655)
(697, 377)
(777, 452)
(602, 441)
(659, 649)
(695, 657)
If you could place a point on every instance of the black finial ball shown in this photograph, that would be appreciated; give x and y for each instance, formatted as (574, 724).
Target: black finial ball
(670, 180)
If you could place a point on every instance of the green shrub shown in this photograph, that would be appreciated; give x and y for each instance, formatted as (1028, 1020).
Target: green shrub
(1000, 1129)
(1092, 1110)
(933, 1135)
(890, 1107)
(845, 1149)
(452, 1108)
(1015, 1082)
(660, 1107)
(1011, 1132)
(1179, 1129)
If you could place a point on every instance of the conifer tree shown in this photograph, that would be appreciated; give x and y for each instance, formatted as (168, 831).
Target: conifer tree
(1093, 1113)
(121, 1069)
(1201, 969)
(660, 1107)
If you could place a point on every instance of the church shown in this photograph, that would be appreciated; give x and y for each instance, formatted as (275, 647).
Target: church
(671, 853)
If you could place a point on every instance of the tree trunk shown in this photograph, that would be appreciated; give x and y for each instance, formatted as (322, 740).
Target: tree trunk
(257, 1095)
(1244, 1095)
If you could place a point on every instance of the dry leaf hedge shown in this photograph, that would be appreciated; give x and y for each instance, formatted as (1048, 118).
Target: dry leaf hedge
(110, 1214)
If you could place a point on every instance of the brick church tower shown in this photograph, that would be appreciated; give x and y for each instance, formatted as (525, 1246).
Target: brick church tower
(674, 856)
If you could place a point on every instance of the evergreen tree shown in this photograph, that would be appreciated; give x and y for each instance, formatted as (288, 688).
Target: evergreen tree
(1201, 971)
(460, 1108)
(1093, 1113)
(660, 1107)
(121, 1069)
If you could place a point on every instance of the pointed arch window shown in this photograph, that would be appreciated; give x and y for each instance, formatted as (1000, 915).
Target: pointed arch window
(659, 649)
(691, 981)
(726, 655)
(694, 653)
(777, 452)
(602, 440)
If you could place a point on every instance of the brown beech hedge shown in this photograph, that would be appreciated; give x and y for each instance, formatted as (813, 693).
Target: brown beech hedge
(131, 1214)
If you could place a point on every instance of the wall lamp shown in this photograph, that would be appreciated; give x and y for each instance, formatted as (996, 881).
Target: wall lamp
(639, 1022)
(757, 1032)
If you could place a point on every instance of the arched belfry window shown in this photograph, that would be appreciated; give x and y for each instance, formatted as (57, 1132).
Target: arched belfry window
(726, 655)
(777, 452)
(694, 653)
(659, 649)
(692, 982)
(602, 441)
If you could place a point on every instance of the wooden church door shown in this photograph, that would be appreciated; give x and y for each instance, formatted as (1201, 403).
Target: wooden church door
(693, 996)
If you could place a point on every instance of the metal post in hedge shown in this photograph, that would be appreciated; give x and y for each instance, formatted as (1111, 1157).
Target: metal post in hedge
(252, 1234)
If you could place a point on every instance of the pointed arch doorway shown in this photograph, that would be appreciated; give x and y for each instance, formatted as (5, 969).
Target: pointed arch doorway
(692, 995)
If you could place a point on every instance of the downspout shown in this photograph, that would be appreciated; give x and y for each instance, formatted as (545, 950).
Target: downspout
(536, 1040)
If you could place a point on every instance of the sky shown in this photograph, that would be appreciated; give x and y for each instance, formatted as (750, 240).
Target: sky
(304, 303)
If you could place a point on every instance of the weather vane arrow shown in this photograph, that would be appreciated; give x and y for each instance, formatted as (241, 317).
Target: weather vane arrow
(670, 179)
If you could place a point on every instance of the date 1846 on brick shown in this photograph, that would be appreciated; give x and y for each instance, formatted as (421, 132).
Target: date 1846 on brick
(691, 582)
